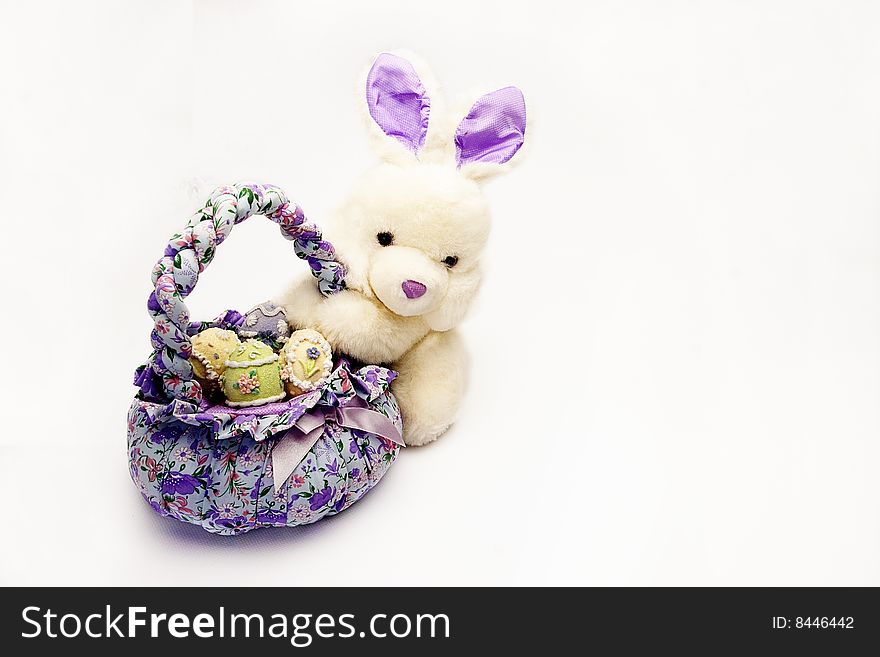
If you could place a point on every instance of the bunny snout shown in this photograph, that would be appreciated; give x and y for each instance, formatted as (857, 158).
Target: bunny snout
(407, 281)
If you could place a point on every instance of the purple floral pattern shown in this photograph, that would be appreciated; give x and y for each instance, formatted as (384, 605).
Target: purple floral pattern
(211, 467)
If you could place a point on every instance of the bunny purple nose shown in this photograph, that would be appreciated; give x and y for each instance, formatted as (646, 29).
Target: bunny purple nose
(413, 289)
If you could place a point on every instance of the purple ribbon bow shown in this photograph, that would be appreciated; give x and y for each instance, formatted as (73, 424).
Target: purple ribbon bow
(296, 442)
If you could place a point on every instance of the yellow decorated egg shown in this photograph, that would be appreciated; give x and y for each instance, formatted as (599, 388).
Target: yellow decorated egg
(306, 361)
(210, 350)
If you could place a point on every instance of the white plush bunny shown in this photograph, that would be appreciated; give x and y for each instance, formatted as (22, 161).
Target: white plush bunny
(411, 234)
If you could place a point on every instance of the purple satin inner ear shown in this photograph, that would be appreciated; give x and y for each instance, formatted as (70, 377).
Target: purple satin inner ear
(494, 129)
(398, 101)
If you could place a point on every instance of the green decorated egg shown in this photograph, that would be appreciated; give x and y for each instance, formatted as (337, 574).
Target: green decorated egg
(252, 376)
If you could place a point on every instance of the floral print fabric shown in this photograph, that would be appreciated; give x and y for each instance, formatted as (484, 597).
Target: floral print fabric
(211, 465)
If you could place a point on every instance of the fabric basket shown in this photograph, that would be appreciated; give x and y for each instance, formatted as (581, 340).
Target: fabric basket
(286, 463)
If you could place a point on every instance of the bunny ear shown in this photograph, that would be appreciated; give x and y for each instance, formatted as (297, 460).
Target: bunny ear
(398, 101)
(493, 130)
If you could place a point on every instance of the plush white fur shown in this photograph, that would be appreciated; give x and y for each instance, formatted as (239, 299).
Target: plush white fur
(433, 210)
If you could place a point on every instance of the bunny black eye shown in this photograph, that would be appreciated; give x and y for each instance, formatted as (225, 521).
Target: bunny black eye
(450, 261)
(385, 238)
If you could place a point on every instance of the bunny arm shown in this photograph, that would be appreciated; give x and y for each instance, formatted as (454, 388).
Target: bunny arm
(353, 323)
(430, 386)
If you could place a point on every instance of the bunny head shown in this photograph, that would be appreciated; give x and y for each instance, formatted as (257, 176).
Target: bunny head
(412, 231)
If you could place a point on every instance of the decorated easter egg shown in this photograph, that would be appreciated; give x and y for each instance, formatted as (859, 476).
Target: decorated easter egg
(252, 376)
(306, 361)
(210, 350)
(266, 322)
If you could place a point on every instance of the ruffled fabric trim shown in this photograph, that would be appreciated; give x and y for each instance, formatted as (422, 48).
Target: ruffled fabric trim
(262, 422)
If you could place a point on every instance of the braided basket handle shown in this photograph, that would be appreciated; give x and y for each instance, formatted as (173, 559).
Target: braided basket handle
(187, 255)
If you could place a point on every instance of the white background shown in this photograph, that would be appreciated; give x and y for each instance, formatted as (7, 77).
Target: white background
(693, 236)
